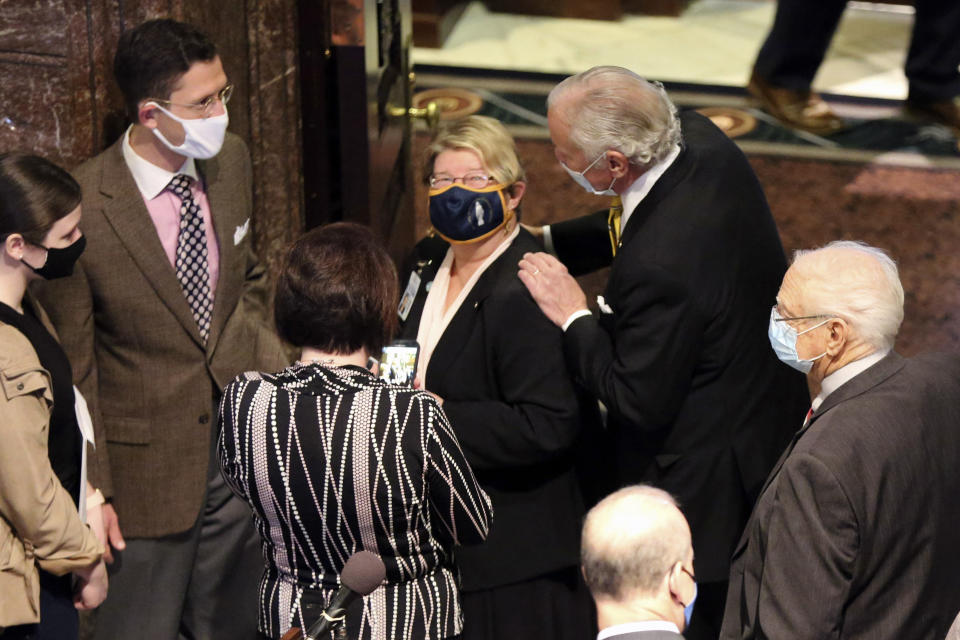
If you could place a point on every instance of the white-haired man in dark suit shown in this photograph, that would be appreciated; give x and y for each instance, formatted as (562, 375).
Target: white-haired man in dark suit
(854, 533)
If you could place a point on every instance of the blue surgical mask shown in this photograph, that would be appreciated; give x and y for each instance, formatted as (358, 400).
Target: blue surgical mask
(783, 339)
(461, 215)
(581, 179)
(688, 610)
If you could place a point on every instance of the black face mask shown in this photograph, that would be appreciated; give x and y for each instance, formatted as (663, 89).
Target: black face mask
(59, 263)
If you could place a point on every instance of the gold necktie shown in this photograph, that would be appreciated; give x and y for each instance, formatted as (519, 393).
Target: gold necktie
(613, 223)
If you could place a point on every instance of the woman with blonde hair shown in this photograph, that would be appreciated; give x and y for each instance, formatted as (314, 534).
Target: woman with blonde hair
(496, 363)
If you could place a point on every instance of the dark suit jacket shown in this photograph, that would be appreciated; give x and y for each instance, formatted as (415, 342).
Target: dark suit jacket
(499, 368)
(855, 533)
(135, 348)
(699, 405)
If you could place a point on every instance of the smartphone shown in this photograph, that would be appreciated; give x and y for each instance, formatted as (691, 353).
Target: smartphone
(398, 362)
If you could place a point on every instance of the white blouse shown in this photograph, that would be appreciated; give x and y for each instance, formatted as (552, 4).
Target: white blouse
(433, 320)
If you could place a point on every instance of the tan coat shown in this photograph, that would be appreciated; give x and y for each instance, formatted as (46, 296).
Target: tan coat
(136, 352)
(40, 523)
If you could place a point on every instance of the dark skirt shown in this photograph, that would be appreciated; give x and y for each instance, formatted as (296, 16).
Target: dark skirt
(556, 606)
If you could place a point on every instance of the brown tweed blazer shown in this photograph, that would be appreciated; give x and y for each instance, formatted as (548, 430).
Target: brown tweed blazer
(135, 349)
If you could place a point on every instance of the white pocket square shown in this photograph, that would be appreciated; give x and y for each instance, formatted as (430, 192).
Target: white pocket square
(241, 232)
(604, 307)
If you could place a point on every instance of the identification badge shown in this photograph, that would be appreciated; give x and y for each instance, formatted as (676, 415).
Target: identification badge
(409, 294)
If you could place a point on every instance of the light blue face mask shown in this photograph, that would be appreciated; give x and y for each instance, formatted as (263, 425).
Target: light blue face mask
(783, 339)
(581, 179)
(688, 610)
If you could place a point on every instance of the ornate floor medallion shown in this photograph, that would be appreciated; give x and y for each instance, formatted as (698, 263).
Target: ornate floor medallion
(453, 103)
(733, 122)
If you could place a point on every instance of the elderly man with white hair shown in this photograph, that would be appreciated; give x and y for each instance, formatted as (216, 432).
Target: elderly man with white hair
(697, 404)
(854, 533)
(637, 559)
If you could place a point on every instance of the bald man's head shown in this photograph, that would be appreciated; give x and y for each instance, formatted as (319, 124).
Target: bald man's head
(631, 540)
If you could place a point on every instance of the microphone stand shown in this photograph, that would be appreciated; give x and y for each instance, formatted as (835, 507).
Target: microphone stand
(337, 626)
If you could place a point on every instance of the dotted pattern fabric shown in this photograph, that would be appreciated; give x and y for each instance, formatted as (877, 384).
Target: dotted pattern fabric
(191, 263)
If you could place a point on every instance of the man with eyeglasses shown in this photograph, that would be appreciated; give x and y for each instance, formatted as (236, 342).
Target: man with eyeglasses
(636, 556)
(854, 533)
(167, 305)
(696, 402)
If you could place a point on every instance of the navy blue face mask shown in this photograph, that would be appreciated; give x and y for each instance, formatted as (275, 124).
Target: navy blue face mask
(461, 214)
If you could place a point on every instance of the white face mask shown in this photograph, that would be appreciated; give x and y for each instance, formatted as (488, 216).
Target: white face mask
(581, 179)
(203, 137)
(783, 339)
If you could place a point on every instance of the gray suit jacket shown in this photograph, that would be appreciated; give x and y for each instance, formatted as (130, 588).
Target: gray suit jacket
(135, 348)
(854, 533)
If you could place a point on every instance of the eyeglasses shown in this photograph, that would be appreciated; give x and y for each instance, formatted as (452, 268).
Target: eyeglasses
(472, 179)
(780, 318)
(206, 106)
(689, 573)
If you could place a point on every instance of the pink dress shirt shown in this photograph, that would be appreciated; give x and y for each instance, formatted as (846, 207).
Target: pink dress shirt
(164, 206)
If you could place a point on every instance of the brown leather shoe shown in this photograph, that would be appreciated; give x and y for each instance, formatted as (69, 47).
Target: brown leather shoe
(804, 110)
(945, 112)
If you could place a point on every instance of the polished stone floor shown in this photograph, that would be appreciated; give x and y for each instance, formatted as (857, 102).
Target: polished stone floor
(714, 42)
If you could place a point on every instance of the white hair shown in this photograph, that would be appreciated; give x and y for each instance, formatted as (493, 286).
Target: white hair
(631, 539)
(614, 108)
(856, 282)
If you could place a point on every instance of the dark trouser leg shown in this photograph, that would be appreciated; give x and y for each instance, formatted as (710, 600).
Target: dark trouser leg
(58, 616)
(222, 599)
(798, 41)
(934, 51)
(147, 583)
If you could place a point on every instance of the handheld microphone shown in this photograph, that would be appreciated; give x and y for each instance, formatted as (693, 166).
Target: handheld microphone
(363, 572)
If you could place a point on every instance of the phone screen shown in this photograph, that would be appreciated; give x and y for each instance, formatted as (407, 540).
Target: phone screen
(398, 363)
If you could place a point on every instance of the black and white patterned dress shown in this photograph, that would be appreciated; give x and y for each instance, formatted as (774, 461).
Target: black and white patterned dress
(334, 461)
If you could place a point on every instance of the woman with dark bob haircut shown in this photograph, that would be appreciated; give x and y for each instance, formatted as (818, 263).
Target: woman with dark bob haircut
(333, 460)
(44, 543)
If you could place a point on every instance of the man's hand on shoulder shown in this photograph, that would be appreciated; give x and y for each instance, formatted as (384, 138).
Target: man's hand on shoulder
(554, 290)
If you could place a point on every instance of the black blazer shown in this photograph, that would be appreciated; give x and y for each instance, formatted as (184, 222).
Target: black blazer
(855, 533)
(699, 404)
(500, 371)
